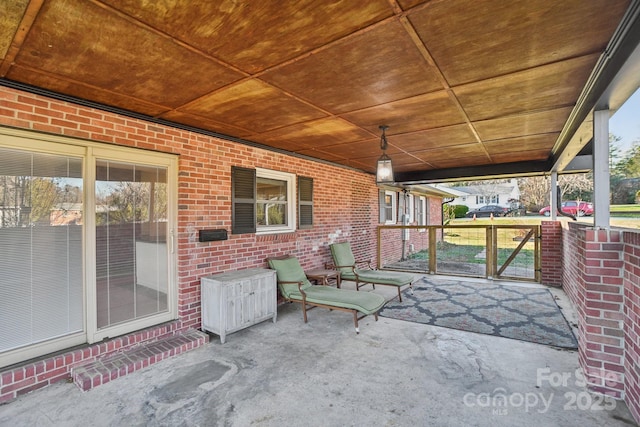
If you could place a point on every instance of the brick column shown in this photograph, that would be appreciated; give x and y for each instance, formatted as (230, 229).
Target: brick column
(551, 253)
(632, 321)
(602, 353)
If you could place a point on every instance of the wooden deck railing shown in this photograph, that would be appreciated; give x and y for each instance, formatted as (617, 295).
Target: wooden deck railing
(489, 251)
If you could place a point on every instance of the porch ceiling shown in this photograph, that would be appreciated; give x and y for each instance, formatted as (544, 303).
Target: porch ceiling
(467, 88)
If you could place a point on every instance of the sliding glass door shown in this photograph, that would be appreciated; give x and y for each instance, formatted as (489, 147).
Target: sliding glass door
(131, 241)
(41, 274)
(86, 242)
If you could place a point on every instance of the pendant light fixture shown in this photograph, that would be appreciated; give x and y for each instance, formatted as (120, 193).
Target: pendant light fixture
(384, 171)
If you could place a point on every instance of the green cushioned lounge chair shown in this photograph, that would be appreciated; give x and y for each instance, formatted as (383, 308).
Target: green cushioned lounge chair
(295, 287)
(346, 264)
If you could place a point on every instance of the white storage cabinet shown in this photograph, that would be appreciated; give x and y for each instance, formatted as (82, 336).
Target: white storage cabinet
(238, 299)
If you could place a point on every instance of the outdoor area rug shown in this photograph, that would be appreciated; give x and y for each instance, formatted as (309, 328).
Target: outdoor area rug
(527, 314)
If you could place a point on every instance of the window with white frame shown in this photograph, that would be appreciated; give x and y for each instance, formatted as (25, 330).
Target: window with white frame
(495, 199)
(263, 202)
(421, 212)
(388, 206)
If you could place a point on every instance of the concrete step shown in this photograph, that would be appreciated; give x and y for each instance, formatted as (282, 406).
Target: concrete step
(122, 363)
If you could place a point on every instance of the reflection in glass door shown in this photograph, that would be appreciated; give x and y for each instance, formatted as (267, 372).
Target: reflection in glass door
(41, 206)
(131, 242)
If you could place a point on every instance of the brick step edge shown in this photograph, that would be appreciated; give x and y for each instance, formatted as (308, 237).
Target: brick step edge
(120, 364)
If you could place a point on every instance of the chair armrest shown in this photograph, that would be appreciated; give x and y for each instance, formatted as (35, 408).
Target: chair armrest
(299, 283)
(367, 263)
(303, 293)
(332, 266)
(352, 267)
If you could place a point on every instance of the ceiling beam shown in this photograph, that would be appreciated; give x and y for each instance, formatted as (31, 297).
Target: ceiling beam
(33, 8)
(505, 170)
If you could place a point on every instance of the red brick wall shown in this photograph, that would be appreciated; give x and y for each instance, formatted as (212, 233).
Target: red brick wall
(392, 248)
(572, 280)
(631, 242)
(345, 201)
(602, 279)
(603, 276)
(551, 253)
(434, 208)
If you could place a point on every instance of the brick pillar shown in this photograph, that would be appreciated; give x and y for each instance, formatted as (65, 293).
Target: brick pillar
(551, 253)
(602, 353)
(632, 321)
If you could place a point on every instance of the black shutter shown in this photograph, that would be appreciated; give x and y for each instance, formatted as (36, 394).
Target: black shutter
(305, 202)
(382, 216)
(243, 200)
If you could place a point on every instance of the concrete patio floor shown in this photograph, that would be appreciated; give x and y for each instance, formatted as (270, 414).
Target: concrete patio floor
(393, 373)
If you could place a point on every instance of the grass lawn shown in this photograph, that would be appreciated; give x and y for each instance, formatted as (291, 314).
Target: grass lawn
(624, 216)
(472, 254)
(464, 244)
(625, 208)
(626, 211)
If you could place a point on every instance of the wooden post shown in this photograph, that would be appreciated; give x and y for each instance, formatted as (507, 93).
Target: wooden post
(433, 254)
(491, 251)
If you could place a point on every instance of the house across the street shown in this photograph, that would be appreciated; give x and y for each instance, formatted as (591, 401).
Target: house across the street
(505, 194)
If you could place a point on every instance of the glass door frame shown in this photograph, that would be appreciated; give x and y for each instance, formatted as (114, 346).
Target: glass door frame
(144, 158)
(88, 150)
(31, 142)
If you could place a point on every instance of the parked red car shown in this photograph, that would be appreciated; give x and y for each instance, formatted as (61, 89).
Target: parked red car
(571, 207)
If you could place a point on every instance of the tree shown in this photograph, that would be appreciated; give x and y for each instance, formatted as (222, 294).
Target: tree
(44, 195)
(534, 192)
(629, 165)
(127, 202)
(614, 150)
(27, 200)
(576, 186)
(625, 176)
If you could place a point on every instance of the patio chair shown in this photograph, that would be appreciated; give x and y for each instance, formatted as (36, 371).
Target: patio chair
(295, 287)
(346, 264)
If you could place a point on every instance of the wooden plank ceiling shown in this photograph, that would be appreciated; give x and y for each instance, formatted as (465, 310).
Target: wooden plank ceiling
(460, 83)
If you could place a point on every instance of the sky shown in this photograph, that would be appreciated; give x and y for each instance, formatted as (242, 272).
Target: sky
(625, 123)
